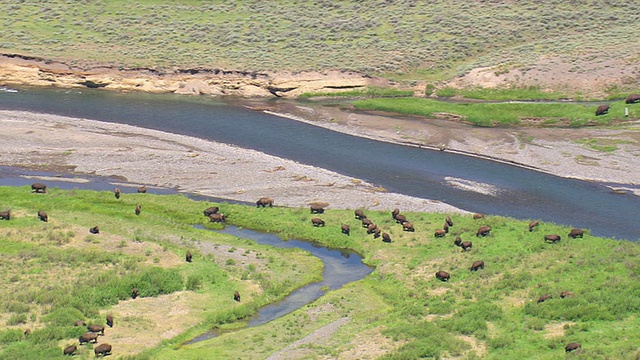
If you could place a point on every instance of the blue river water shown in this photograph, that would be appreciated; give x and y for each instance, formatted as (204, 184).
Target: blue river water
(520, 193)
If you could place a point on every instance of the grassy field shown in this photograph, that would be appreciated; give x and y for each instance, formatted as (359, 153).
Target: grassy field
(400, 311)
(404, 40)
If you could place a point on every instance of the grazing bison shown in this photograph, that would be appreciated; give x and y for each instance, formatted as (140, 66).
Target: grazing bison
(572, 346)
(211, 210)
(386, 238)
(483, 230)
(448, 221)
(366, 222)
(377, 233)
(443, 275)
(552, 238)
(632, 99)
(102, 349)
(478, 216)
(445, 227)
(79, 323)
(43, 216)
(565, 294)
(359, 214)
(95, 230)
(316, 209)
(401, 219)
(217, 217)
(5, 215)
(188, 256)
(544, 298)
(138, 209)
(465, 245)
(110, 320)
(98, 329)
(407, 226)
(533, 224)
(264, 201)
(317, 222)
(236, 296)
(27, 332)
(69, 350)
(602, 109)
(576, 233)
(440, 233)
(345, 229)
(372, 228)
(134, 293)
(116, 193)
(477, 265)
(88, 337)
(39, 187)
(142, 190)
(395, 212)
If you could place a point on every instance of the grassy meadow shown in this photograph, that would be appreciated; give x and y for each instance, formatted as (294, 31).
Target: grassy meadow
(56, 272)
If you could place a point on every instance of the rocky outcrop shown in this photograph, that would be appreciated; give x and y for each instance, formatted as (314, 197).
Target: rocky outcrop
(28, 70)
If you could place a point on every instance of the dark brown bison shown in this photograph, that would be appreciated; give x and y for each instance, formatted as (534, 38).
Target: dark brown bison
(483, 230)
(407, 226)
(95, 230)
(533, 224)
(69, 350)
(217, 217)
(445, 227)
(188, 256)
(264, 202)
(27, 332)
(43, 216)
(477, 265)
(236, 296)
(602, 109)
(88, 337)
(345, 229)
(109, 320)
(134, 293)
(116, 193)
(572, 346)
(98, 329)
(377, 233)
(465, 245)
(395, 213)
(443, 275)
(359, 214)
(366, 222)
(544, 298)
(317, 222)
(448, 221)
(142, 190)
(565, 294)
(39, 187)
(316, 209)
(440, 233)
(79, 323)
(211, 210)
(400, 219)
(478, 216)
(372, 228)
(102, 349)
(138, 209)
(632, 99)
(552, 238)
(576, 233)
(386, 238)
(5, 215)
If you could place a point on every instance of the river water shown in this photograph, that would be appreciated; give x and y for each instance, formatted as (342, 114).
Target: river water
(508, 190)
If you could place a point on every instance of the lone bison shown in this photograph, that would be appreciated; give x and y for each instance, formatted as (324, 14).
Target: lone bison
(138, 209)
(264, 202)
(134, 293)
(632, 99)
(544, 298)
(533, 225)
(565, 294)
(572, 346)
(483, 230)
(386, 238)
(477, 265)
(602, 109)
(116, 193)
(95, 230)
(359, 214)
(88, 337)
(443, 275)
(345, 229)
(39, 187)
(69, 350)
(43, 216)
(576, 233)
(188, 256)
(142, 189)
(236, 296)
(477, 216)
(211, 210)
(5, 215)
(102, 349)
(552, 238)
(317, 222)
(316, 209)
(110, 320)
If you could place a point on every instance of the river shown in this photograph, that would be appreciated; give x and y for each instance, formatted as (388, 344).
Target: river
(507, 190)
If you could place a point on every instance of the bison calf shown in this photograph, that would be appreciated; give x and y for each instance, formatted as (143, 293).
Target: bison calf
(102, 349)
(477, 265)
(443, 275)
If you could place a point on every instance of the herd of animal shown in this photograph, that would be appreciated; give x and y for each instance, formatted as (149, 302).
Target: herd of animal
(631, 99)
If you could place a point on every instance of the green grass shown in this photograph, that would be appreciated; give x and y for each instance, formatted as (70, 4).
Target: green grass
(499, 94)
(367, 92)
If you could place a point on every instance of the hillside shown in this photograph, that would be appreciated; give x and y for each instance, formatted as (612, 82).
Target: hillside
(580, 45)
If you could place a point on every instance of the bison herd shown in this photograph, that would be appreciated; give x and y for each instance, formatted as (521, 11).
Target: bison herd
(604, 109)
(91, 336)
